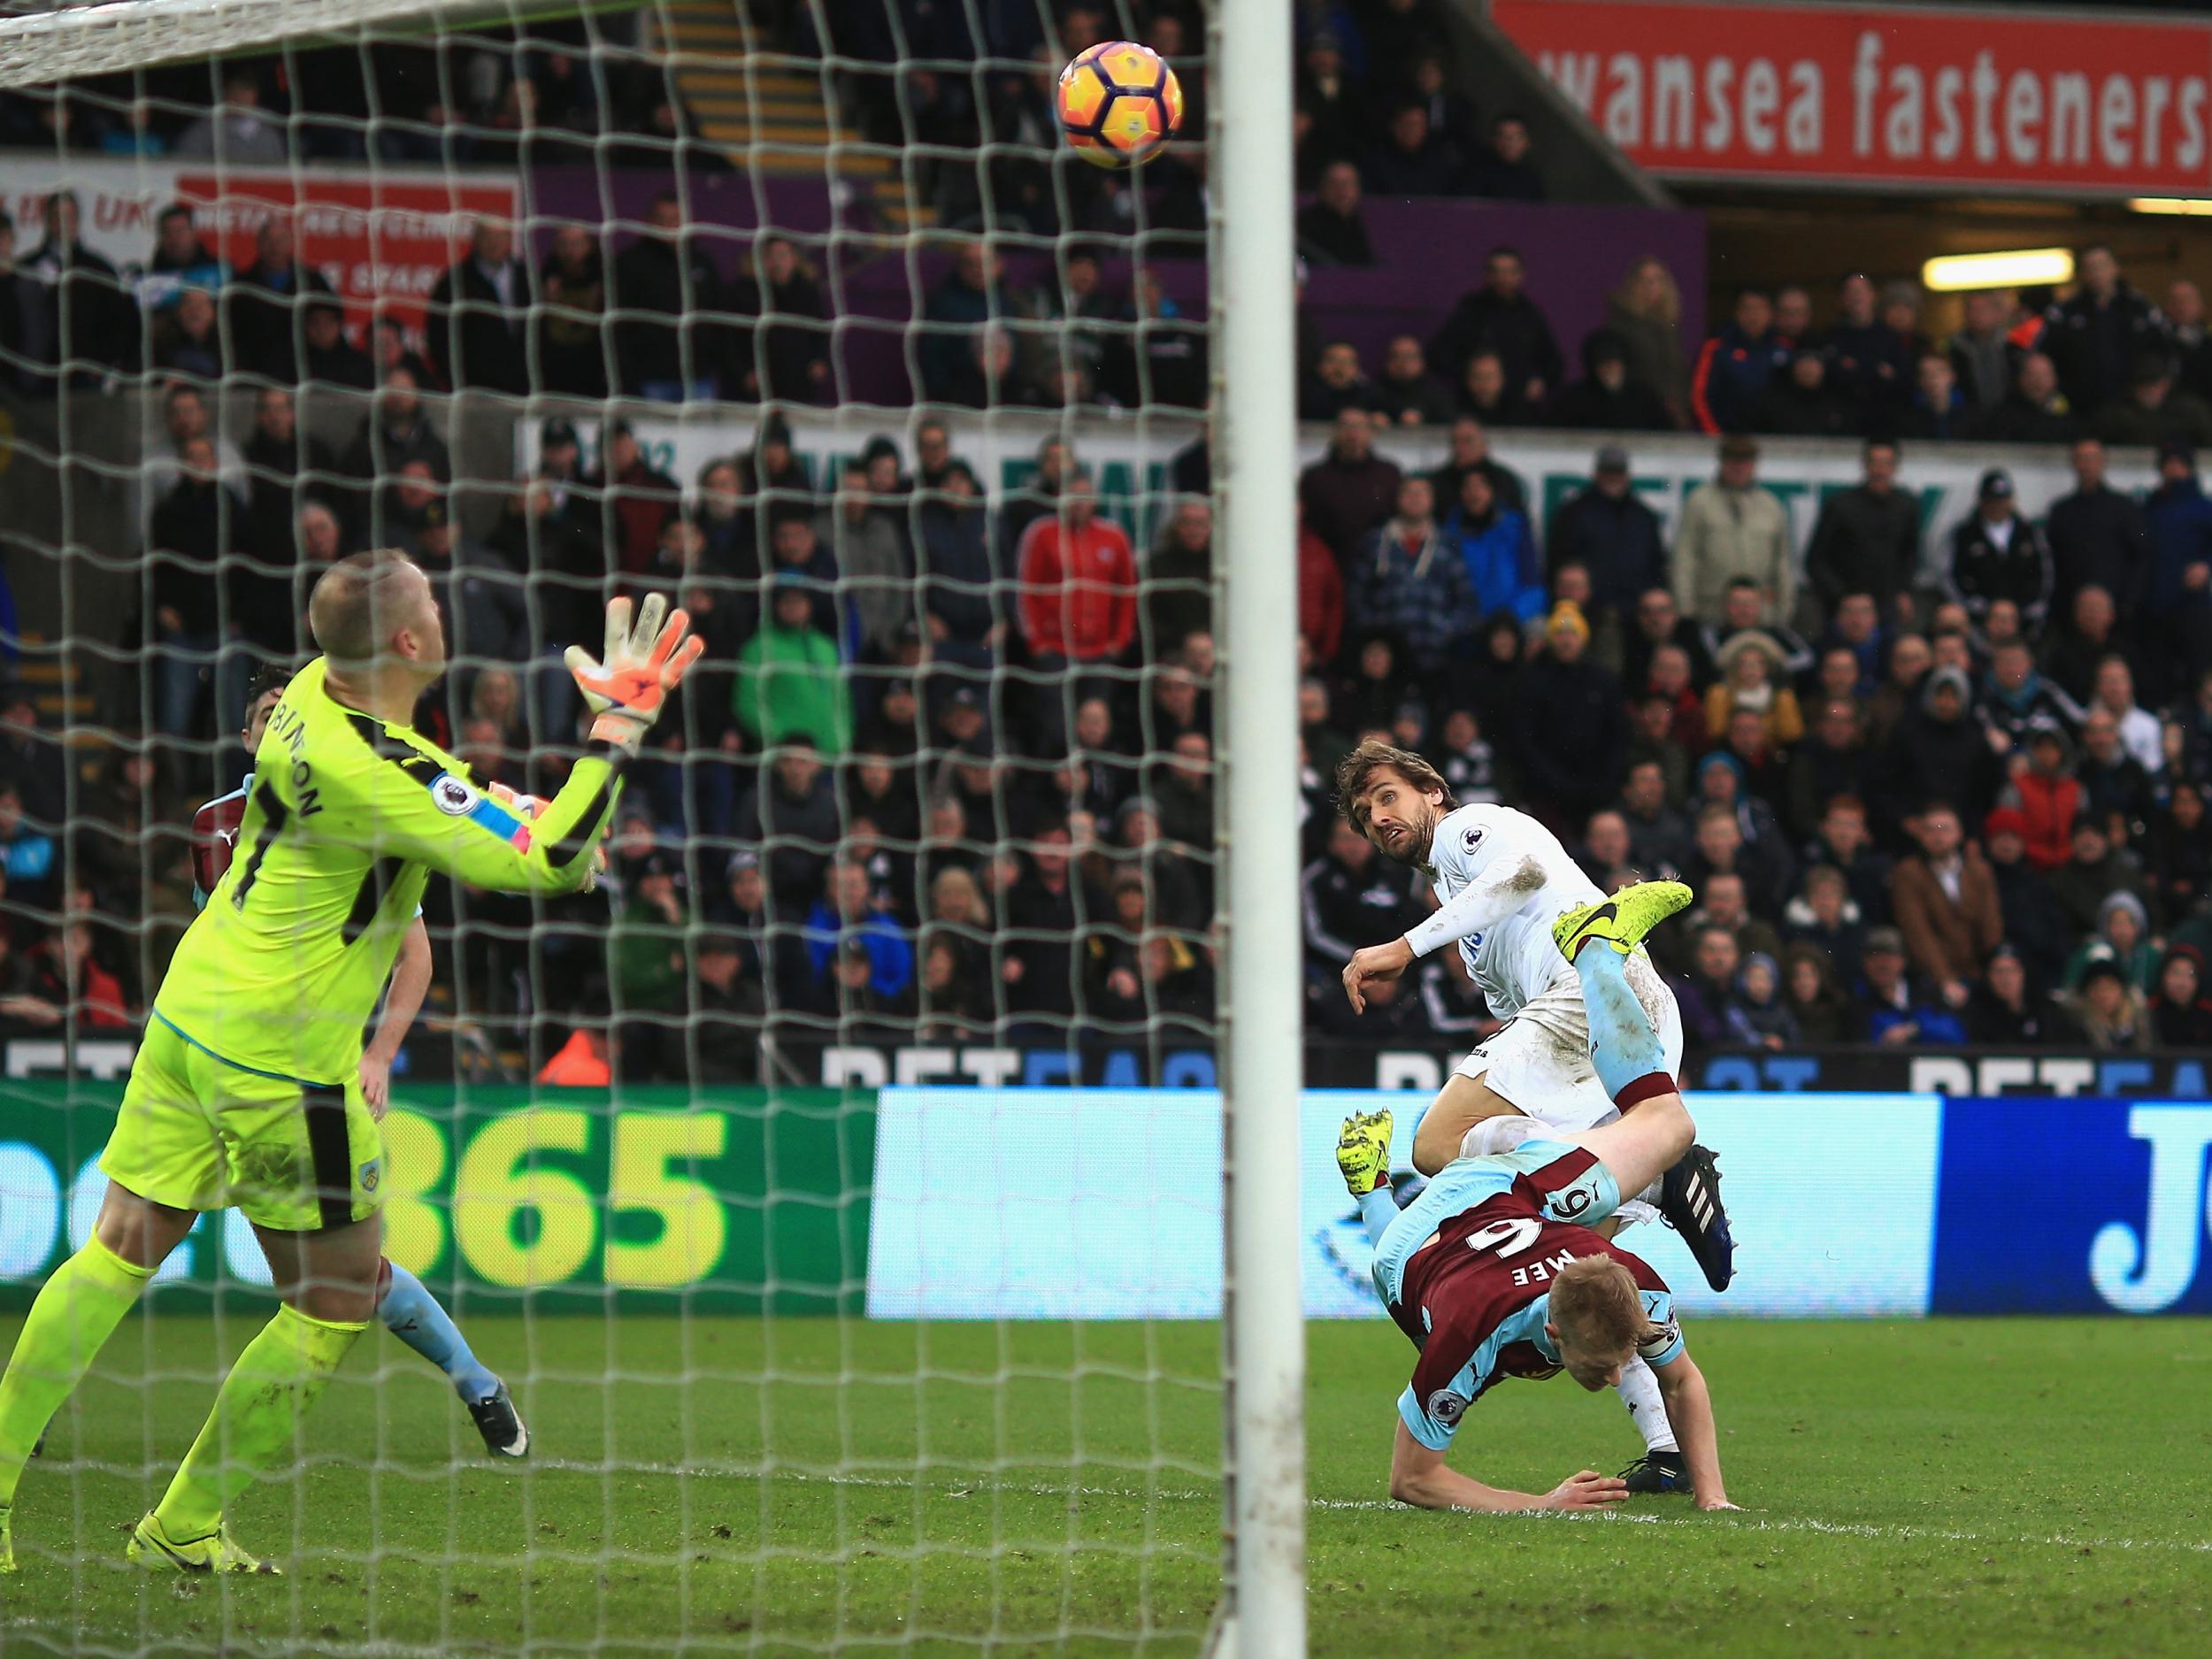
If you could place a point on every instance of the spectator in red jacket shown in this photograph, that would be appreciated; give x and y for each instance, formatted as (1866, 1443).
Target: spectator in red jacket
(66, 974)
(1320, 595)
(2049, 798)
(637, 500)
(1079, 602)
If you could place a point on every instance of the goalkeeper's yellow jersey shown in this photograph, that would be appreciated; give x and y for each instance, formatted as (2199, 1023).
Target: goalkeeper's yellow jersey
(348, 818)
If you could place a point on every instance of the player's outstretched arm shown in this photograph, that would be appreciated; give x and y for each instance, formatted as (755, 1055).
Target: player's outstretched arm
(436, 818)
(1501, 883)
(1421, 1476)
(1499, 871)
(416, 809)
(1376, 962)
(1690, 1411)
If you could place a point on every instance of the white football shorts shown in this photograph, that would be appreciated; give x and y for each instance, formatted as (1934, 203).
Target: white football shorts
(1539, 1060)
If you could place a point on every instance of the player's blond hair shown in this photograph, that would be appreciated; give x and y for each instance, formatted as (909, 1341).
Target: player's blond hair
(1597, 1307)
(1355, 775)
(357, 605)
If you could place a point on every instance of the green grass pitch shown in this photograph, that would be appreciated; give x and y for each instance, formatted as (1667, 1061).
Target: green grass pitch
(1951, 1487)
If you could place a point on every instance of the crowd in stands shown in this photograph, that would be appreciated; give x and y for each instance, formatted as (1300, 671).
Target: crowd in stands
(674, 312)
(2102, 361)
(947, 771)
(1927, 795)
(1377, 95)
(664, 313)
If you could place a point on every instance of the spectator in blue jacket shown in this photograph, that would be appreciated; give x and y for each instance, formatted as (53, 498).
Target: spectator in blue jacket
(1901, 1011)
(1737, 364)
(844, 913)
(2179, 519)
(1494, 540)
(27, 852)
(1406, 581)
(1939, 409)
(1610, 532)
(1705, 992)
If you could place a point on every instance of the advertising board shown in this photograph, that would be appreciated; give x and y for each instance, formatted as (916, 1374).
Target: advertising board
(735, 1200)
(1052, 1204)
(1932, 97)
(986, 1202)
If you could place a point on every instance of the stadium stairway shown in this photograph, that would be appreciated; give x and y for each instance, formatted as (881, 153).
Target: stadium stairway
(56, 682)
(778, 115)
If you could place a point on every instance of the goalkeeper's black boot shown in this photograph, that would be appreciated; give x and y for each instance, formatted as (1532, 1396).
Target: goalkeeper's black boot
(504, 1432)
(1657, 1471)
(1689, 1198)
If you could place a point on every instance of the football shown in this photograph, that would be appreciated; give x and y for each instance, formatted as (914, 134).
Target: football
(1118, 103)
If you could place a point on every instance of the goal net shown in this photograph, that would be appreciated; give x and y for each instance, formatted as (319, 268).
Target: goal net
(837, 1187)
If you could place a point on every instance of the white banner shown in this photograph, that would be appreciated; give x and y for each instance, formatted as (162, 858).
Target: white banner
(380, 237)
(117, 202)
(993, 1204)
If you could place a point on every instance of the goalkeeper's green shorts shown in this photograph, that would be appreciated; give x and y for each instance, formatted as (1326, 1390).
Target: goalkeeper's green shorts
(197, 1131)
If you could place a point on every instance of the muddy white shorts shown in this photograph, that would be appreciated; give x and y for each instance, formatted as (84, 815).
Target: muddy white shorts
(1539, 1060)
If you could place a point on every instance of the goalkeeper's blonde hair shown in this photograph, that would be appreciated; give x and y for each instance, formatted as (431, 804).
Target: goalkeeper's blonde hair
(357, 604)
(1596, 1305)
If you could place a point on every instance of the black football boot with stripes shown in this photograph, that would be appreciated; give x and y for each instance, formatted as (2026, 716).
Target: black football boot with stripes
(1657, 1472)
(1689, 1198)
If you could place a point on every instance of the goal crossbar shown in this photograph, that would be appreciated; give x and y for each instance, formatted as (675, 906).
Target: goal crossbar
(114, 36)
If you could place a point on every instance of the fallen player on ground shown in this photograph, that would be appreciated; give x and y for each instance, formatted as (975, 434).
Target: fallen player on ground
(1494, 1271)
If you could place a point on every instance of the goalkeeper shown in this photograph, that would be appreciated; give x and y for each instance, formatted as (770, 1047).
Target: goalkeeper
(247, 1088)
(405, 1303)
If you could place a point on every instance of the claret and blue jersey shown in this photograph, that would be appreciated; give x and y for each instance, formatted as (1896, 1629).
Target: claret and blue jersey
(1465, 1270)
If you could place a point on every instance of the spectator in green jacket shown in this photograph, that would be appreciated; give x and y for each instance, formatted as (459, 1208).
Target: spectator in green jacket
(646, 966)
(790, 678)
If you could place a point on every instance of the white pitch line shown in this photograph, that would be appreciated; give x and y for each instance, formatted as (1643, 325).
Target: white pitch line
(1901, 1534)
(1604, 1517)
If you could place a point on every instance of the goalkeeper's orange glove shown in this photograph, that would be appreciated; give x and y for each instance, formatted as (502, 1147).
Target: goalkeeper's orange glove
(628, 686)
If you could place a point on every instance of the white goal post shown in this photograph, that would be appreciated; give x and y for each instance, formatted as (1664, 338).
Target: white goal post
(1255, 397)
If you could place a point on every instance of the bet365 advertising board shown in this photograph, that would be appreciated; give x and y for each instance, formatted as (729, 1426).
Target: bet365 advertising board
(738, 1201)
(1054, 1204)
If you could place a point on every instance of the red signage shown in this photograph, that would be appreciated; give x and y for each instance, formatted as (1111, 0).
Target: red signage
(381, 242)
(1870, 94)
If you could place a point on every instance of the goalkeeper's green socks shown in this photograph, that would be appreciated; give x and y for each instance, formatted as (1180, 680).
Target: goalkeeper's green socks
(257, 1413)
(76, 1314)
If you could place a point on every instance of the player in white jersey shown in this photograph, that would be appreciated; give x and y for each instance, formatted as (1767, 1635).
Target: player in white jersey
(1501, 880)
